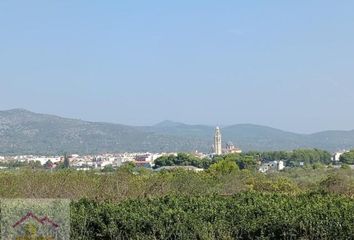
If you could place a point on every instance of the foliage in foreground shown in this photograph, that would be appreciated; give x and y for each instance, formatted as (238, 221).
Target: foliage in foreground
(248, 215)
(215, 204)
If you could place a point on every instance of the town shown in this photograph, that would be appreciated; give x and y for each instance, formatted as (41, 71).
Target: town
(111, 161)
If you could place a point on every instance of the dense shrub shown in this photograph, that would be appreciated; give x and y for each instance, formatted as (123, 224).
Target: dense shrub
(179, 204)
(243, 216)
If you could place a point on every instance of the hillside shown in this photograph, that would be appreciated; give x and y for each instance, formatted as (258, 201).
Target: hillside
(22, 131)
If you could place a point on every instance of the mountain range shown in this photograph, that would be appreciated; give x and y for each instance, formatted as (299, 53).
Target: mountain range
(25, 132)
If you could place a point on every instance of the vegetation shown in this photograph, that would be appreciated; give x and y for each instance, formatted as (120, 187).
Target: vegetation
(19, 164)
(241, 161)
(222, 178)
(249, 215)
(347, 157)
(293, 158)
(301, 203)
(250, 160)
(224, 202)
(224, 166)
(39, 134)
(182, 159)
(229, 200)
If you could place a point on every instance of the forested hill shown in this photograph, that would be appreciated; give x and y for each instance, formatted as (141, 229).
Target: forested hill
(22, 131)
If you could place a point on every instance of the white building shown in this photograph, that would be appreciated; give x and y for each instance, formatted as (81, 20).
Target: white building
(272, 166)
(230, 148)
(337, 155)
(42, 159)
(281, 165)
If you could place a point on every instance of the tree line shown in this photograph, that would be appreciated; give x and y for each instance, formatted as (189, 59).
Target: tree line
(249, 160)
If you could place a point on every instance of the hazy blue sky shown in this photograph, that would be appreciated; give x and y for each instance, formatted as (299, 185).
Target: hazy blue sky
(285, 64)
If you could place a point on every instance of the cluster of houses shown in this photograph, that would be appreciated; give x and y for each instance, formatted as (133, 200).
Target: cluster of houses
(279, 165)
(272, 166)
(88, 162)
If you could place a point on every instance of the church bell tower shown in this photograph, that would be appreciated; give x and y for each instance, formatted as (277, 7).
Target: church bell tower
(217, 142)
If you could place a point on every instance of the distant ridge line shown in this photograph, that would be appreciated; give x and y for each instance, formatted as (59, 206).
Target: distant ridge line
(22, 131)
